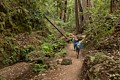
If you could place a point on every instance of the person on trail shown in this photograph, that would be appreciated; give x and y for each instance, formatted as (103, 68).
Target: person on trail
(78, 46)
(74, 40)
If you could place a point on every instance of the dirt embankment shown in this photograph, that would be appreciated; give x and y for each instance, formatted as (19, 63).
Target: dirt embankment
(103, 63)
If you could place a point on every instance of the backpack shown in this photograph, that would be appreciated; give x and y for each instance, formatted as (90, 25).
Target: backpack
(79, 45)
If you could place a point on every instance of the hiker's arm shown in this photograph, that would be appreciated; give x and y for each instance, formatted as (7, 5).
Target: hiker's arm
(82, 40)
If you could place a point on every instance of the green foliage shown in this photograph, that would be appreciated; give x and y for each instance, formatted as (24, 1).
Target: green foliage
(18, 53)
(23, 16)
(12, 53)
(2, 78)
(58, 45)
(49, 48)
(60, 54)
(51, 37)
(39, 67)
(98, 57)
(53, 10)
(25, 50)
(101, 23)
(70, 20)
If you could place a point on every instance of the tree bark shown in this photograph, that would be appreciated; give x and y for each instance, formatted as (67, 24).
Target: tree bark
(63, 10)
(76, 16)
(114, 5)
(111, 6)
(91, 3)
(81, 17)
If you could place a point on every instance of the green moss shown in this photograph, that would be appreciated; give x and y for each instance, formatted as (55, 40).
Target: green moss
(60, 54)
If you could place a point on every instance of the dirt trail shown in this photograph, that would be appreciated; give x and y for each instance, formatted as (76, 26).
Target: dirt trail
(69, 72)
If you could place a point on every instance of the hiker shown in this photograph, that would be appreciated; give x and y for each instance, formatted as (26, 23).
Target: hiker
(74, 40)
(78, 46)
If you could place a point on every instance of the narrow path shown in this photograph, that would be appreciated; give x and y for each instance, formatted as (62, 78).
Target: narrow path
(69, 72)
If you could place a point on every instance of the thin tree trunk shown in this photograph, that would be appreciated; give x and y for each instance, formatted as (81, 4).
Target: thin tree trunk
(65, 9)
(87, 3)
(111, 6)
(57, 8)
(91, 3)
(62, 10)
(54, 26)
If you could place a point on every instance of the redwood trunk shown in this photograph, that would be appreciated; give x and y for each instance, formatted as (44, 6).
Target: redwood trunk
(76, 16)
(81, 17)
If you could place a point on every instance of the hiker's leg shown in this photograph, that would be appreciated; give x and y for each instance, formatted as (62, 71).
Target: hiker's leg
(77, 54)
(74, 46)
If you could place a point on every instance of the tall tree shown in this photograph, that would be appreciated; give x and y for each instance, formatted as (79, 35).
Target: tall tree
(76, 16)
(81, 16)
(63, 8)
(80, 7)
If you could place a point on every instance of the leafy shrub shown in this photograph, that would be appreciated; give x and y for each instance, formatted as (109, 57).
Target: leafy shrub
(18, 53)
(47, 49)
(39, 67)
(51, 37)
(26, 50)
(59, 45)
(62, 53)
(50, 48)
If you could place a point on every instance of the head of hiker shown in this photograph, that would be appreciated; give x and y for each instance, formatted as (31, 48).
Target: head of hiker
(74, 38)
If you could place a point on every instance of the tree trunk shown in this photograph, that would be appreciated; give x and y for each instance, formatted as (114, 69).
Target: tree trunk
(76, 16)
(111, 6)
(81, 17)
(91, 3)
(114, 6)
(63, 10)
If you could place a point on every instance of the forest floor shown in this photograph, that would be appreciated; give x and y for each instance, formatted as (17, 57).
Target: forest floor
(66, 72)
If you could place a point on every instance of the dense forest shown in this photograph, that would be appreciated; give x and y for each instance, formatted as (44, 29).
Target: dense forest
(36, 39)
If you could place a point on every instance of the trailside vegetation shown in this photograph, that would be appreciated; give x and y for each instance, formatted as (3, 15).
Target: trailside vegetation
(37, 31)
